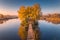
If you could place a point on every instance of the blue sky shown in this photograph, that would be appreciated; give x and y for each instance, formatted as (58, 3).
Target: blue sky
(47, 6)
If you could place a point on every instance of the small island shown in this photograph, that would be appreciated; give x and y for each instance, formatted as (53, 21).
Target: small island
(54, 18)
(6, 17)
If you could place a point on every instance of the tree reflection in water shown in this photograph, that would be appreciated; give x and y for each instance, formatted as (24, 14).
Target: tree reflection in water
(23, 32)
(29, 15)
(2, 21)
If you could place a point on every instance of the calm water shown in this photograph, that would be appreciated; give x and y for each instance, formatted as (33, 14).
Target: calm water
(9, 30)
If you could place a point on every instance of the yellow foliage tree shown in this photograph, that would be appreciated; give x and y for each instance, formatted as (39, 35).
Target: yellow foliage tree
(25, 14)
(33, 12)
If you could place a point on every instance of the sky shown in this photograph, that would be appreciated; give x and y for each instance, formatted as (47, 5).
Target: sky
(11, 6)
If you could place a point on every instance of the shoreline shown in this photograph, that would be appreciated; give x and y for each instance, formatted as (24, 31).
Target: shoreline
(55, 20)
(7, 18)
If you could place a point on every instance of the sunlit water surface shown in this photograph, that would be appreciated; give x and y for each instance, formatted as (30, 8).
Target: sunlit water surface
(48, 31)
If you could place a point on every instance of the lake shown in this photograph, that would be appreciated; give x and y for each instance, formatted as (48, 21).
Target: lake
(9, 30)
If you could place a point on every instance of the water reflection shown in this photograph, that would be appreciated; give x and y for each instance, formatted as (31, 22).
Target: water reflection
(23, 32)
(9, 30)
(2, 21)
(54, 22)
(48, 31)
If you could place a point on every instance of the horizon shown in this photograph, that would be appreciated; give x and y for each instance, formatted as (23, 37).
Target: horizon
(10, 7)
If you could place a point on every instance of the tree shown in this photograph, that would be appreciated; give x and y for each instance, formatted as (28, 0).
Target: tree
(28, 14)
(32, 12)
(21, 12)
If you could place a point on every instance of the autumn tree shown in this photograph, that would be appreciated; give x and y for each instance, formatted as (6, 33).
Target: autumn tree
(21, 13)
(27, 14)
